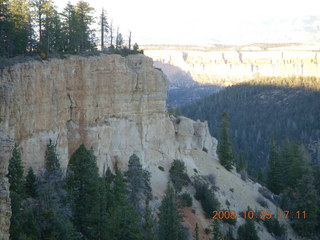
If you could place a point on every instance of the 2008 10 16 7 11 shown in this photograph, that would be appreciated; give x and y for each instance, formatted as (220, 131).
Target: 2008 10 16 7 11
(263, 214)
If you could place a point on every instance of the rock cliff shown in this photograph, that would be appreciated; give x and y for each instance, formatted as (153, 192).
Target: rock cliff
(6, 146)
(235, 64)
(112, 104)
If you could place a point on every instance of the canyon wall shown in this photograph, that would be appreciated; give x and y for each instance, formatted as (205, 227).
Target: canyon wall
(6, 146)
(114, 105)
(232, 65)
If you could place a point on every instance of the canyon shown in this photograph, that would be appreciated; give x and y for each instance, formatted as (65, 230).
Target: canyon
(112, 104)
(228, 65)
(117, 107)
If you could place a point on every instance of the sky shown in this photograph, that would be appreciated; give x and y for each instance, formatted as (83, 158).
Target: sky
(202, 22)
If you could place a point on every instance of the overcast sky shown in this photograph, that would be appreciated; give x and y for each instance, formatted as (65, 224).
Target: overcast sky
(209, 21)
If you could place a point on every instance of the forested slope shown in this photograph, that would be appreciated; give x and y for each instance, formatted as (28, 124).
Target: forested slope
(262, 110)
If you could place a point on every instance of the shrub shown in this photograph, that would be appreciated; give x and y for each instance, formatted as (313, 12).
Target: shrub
(178, 175)
(248, 231)
(262, 201)
(229, 220)
(273, 226)
(185, 200)
(206, 197)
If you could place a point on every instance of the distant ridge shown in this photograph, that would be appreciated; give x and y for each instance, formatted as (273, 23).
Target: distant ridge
(245, 47)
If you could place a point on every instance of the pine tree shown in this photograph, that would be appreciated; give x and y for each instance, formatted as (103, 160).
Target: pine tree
(274, 181)
(306, 199)
(138, 184)
(123, 222)
(52, 161)
(240, 163)
(260, 175)
(53, 212)
(224, 145)
(196, 232)
(83, 186)
(17, 192)
(104, 27)
(31, 186)
(248, 231)
(149, 223)
(85, 19)
(217, 235)
(15, 172)
(170, 227)
(178, 174)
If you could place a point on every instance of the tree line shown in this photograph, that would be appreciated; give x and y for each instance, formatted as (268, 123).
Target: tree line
(261, 110)
(81, 204)
(36, 26)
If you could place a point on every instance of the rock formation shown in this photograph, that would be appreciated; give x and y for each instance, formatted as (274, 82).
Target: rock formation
(232, 65)
(6, 146)
(112, 104)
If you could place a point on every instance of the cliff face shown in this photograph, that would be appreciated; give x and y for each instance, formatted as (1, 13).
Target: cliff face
(116, 106)
(230, 66)
(6, 146)
(113, 104)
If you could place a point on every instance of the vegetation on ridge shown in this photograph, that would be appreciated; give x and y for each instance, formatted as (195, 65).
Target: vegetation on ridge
(29, 27)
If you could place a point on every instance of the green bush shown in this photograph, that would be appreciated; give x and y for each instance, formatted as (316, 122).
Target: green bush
(185, 200)
(206, 197)
(161, 168)
(178, 175)
(273, 226)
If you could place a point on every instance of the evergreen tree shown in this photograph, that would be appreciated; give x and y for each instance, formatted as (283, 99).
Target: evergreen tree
(260, 175)
(217, 235)
(170, 227)
(306, 199)
(229, 235)
(53, 212)
(178, 175)
(31, 185)
(85, 19)
(123, 223)
(52, 161)
(240, 163)
(149, 224)
(17, 192)
(104, 27)
(138, 184)
(83, 186)
(15, 172)
(224, 145)
(20, 13)
(196, 232)
(248, 231)
(274, 181)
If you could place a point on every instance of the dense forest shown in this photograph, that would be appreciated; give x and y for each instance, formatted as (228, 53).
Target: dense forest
(29, 27)
(263, 110)
(270, 127)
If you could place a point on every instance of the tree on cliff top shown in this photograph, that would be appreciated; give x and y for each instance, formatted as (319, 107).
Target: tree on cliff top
(224, 145)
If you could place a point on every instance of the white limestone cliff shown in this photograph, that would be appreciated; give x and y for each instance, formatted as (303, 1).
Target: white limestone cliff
(113, 104)
(235, 64)
(116, 106)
